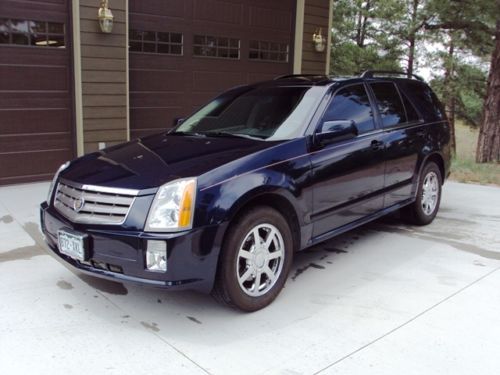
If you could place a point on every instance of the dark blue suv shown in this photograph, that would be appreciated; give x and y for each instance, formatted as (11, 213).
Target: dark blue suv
(221, 202)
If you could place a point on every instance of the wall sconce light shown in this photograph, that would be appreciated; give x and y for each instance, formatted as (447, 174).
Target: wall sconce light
(319, 41)
(105, 17)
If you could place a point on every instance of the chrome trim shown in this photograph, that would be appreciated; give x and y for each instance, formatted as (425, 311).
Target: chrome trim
(101, 189)
(102, 205)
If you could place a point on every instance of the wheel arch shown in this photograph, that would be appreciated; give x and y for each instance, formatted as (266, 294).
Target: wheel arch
(437, 158)
(274, 199)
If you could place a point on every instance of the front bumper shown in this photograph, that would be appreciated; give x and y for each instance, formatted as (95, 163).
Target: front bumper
(119, 255)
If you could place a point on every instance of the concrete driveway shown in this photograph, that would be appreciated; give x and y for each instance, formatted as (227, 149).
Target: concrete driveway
(384, 299)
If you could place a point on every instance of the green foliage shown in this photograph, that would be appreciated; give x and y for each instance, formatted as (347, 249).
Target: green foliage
(379, 34)
(349, 59)
(467, 85)
(359, 41)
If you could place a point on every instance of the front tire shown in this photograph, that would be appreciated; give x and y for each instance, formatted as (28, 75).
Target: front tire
(255, 260)
(425, 208)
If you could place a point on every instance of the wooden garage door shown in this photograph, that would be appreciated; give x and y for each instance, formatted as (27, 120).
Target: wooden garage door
(35, 90)
(184, 52)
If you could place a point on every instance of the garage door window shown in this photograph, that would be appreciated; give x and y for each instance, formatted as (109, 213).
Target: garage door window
(211, 46)
(31, 33)
(268, 51)
(155, 42)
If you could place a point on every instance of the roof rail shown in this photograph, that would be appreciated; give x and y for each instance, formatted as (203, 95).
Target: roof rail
(372, 73)
(306, 77)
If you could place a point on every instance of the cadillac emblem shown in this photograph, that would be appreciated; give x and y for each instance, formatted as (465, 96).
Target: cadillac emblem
(78, 204)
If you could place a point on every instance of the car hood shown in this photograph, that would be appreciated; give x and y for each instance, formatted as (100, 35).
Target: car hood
(149, 162)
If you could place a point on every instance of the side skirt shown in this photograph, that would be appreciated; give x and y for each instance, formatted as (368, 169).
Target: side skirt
(355, 224)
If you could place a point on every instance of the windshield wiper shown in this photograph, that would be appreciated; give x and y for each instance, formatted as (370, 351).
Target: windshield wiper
(232, 135)
(187, 134)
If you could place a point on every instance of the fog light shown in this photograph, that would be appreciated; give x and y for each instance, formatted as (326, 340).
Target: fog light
(156, 256)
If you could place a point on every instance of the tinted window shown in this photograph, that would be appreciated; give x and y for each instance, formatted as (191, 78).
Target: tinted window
(411, 113)
(389, 104)
(254, 112)
(352, 103)
(425, 101)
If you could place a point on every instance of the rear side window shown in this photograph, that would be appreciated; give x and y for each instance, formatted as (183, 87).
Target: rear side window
(425, 100)
(411, 113)
(389, 104)
(352, 103)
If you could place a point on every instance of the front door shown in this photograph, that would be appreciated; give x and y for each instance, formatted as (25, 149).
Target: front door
(348, 175)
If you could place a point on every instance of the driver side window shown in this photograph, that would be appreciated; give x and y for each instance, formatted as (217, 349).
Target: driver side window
(352, 103)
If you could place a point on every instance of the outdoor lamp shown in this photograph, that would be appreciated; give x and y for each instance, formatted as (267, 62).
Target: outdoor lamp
(105, 17)
(319, 41)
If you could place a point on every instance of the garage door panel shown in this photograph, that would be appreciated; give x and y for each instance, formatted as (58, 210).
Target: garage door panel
(162, 99)
(230, 67)
(172, 8)
(25, 121)
(48, 141)
(36, 101)
(33, 77)
(156, 80)
(269, 69)
(36, 165)
(257, 77)
(154, 23)
(218, 11)
(147, 61)
(216, 81)
(193, 78)
(270, 19)
(279, 5)
(32, 100)
(26, 56)
(47, 10)
(156, 117)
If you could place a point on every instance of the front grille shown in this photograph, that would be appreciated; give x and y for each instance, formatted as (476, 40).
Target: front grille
(93, 204)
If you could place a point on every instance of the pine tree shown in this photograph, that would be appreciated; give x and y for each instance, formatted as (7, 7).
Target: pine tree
(488, 146)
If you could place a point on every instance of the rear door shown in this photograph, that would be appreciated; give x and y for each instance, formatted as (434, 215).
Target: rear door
(404, 136)
(348, 176)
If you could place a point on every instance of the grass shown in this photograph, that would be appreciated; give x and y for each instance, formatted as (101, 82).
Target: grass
(463, 167)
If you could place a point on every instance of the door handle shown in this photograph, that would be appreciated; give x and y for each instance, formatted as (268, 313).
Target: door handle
(376, 145)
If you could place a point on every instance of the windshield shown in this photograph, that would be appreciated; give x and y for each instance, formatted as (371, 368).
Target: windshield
(270, 113)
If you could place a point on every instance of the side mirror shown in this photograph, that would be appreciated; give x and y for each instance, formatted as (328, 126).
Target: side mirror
(338, 130)
(177, 121)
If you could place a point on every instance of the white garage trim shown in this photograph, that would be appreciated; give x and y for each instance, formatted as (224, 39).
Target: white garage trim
(299, 36)
(77, 68)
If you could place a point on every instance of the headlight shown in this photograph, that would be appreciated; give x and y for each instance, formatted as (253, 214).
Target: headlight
(173, 207)
(54, 180)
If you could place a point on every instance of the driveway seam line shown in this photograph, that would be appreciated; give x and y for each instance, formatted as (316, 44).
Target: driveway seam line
(407, 322)
(183, 354)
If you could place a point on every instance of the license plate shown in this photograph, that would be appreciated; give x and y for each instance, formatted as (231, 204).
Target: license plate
(72, 244)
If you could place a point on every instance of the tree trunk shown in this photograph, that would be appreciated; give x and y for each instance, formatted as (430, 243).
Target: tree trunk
(364, 24)
(359, 26)
(450, 93)
(412, 38)
(488, 145)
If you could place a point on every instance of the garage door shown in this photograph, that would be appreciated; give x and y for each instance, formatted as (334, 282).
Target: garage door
(35, 90)
(182, 53)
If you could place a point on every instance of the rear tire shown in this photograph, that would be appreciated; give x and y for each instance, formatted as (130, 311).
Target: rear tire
(255, 260)
(424, 209)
